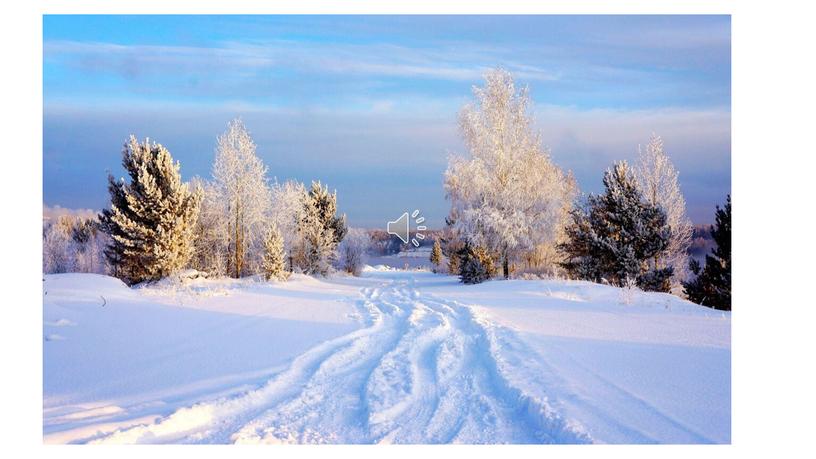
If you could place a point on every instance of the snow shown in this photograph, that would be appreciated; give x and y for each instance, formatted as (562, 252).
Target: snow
(391, 357)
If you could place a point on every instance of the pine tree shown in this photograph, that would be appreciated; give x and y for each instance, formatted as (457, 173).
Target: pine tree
(321, 230)
(454, 264)
(274, 257)
(712, 287)
(151, 219)
(436, 255)
(452, 243)
(477, 264)
(614, 236)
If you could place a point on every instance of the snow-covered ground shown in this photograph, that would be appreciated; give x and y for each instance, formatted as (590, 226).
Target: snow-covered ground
(394, 356)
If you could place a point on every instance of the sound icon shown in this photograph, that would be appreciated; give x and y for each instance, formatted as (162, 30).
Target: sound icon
(402, 229)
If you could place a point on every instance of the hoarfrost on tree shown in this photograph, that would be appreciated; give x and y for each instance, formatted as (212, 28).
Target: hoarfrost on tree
(240, 197)
(321, 231)
(352, 250)
(507, 195)
(658, 182)
(151, 221)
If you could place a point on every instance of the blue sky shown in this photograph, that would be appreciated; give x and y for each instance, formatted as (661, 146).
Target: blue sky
(368, 104)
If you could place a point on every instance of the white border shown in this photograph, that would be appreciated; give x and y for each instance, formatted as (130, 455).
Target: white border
(772, 386)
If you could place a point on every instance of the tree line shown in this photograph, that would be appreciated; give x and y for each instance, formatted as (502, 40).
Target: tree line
(233, 224)
(514, 211)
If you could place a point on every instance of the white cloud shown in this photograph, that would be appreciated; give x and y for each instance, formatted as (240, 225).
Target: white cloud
(458, 62)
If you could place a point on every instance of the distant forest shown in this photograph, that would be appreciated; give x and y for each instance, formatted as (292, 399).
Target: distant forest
(701, 242)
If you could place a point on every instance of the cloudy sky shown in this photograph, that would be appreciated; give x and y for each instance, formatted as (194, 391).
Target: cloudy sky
(368, 104)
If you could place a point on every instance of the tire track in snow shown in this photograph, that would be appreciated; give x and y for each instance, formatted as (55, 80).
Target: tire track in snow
(423, 370)
(211, 420)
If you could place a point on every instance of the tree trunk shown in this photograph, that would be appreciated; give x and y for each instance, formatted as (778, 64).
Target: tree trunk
(506, 266)
(238, 255)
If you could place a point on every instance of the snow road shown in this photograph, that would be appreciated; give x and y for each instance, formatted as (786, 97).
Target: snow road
(425, 368)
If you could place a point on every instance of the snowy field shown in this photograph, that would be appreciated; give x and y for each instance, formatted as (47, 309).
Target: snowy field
(392, 357)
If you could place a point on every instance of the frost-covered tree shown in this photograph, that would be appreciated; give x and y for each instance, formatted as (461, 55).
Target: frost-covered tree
(88, 245)
(352, 250)
(615, 236)
(57, 257)
(507, 195)
(240, 196)
(712, 286)
(274, 257)
(211, 252)
(73, 243)
(452, 243)
(658, 182)
(476, 264)
(436, 255)
(321, 230)
(151, 219)
(288, 210)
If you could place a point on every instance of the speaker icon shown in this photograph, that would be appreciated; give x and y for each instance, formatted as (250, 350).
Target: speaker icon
(401, 228)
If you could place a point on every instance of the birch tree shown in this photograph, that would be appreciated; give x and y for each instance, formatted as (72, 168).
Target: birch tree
(508, 195)
(352, 251)
(658, 181)
(288, 210)
(240, 195)
(211, 254)
(56, 246)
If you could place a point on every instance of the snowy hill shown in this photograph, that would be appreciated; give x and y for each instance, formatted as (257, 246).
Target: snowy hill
(394, 356)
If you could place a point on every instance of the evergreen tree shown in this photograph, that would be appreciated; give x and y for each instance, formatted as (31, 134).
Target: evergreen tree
(476, 264)
(436, 255)
(614, 236)
(712, 287)
(454, 264)
(452, 244)
(151, 220)
(321, 229)
(274, 257)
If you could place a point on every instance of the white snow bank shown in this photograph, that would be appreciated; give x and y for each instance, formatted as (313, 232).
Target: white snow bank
(578, 309)
(150, 349)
